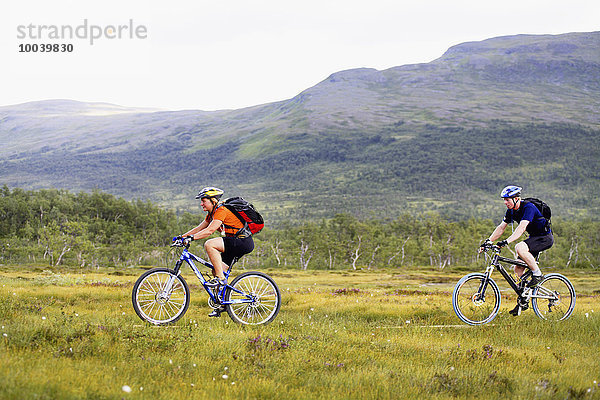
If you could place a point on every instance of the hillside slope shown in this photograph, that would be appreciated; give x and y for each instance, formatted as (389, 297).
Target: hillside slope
(443, 136)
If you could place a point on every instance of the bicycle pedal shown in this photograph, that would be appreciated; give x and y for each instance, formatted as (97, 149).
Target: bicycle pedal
(523, 305)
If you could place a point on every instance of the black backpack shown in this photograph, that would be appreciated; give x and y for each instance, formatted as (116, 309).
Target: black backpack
(246, 213)
(543, 207)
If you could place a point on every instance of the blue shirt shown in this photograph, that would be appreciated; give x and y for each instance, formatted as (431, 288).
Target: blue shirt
(529, 212)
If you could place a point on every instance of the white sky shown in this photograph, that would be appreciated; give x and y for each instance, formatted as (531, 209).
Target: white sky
(230, 54)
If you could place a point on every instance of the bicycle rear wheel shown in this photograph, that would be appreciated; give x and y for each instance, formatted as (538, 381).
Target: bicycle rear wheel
(474, 304)
(554, 298)
(263, 293)
(153, 303)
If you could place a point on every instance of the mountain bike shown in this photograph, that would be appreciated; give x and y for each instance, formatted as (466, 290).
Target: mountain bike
(476, 297)
(161, 296)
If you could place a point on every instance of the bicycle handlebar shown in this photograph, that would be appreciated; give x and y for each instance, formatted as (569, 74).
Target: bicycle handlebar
(179, 241)
(489, 246)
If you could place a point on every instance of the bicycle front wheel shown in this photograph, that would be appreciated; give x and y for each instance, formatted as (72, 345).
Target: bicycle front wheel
(157, 304)
(255, 299)
(474, 301)
(554, 298)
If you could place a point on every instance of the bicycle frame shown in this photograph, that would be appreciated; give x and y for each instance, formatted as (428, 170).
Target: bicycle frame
(496, 259)
(189, 258)
(519, 290)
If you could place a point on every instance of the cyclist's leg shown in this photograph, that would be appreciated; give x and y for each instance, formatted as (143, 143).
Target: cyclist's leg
(214, 247)
(519, 271)
(529, 249)
(522, 304)
(235, 249)
(522, 250)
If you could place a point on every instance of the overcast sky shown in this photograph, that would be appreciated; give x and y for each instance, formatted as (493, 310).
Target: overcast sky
(197, 54)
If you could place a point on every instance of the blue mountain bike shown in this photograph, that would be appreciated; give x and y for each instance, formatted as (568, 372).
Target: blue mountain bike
(476, 297)
(161, 295)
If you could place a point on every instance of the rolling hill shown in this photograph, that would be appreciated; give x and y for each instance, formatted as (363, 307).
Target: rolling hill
(442, 136)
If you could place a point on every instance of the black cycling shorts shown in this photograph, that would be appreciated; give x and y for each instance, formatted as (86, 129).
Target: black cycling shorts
(537, 244)
(235, 248)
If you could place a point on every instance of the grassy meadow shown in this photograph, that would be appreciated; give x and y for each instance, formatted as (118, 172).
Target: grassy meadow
(346, 334)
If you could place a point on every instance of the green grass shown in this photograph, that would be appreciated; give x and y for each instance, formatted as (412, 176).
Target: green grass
(389, 334)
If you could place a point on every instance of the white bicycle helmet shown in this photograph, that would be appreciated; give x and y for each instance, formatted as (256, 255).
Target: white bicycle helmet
(510, 192)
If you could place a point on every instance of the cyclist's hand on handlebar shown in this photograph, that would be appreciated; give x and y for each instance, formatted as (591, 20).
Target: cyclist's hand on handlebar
(502, 243)
(179, 241)
(484, 244)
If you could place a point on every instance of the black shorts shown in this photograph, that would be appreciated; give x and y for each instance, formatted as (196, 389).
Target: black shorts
(537, 244)
(235, 248)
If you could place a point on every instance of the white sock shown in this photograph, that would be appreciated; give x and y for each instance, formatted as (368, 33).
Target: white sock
(537, 272)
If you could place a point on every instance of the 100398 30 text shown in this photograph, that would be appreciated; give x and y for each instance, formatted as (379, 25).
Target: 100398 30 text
(46, 48)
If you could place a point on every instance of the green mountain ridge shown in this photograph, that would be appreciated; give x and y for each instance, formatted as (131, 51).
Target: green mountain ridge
(519, 109)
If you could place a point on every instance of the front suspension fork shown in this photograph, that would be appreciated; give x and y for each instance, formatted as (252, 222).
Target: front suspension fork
(484, 283)
(169, 285)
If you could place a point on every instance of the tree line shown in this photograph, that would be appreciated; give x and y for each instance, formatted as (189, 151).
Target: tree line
(57, 227)
(408, 169)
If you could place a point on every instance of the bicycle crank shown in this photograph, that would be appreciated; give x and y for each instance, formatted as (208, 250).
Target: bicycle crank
(213, 304)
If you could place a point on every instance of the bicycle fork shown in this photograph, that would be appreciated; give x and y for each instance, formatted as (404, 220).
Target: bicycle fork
(167, 289)
(480, 295)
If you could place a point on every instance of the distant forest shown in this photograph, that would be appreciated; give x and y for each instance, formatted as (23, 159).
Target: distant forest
(314, 175)
(92, 230)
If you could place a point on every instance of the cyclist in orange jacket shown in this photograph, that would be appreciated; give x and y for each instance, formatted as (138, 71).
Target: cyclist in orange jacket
(225, 250)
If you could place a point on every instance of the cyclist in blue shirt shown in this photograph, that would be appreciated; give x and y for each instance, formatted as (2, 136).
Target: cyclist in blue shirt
(530, 219)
